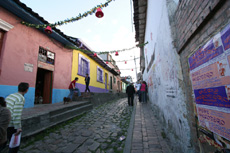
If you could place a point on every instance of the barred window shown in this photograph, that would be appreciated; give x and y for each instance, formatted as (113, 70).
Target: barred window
(83, 65)
(99, 74)
(46, 56)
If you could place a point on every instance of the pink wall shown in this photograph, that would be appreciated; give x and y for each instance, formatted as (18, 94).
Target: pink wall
(21, 45)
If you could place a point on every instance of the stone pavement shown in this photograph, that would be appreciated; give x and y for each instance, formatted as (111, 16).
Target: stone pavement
(96, 131)
(113, 127)
(147, 133)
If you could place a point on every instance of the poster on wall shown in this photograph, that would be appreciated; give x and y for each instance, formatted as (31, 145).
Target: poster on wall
(210, 76)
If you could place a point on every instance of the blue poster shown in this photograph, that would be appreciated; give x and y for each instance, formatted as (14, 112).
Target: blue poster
(204, 55)
(216, 96)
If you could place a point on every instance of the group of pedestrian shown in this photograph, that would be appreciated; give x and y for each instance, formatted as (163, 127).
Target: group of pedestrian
(10, 116)
(73, 87)
(141, 90)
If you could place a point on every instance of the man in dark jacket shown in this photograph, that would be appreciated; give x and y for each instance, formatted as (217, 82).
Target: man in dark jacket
(87, 80)
(130, 90)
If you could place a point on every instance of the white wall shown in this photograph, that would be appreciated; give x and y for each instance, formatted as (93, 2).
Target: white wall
(165, 76)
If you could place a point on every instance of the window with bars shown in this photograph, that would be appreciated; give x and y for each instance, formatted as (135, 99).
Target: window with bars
(83, 65)
(99, 74)
(46, 56)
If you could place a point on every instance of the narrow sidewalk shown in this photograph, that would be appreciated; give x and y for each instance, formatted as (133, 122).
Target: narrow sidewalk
(146, 136)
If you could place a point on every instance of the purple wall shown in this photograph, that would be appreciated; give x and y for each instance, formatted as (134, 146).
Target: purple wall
(92, 89)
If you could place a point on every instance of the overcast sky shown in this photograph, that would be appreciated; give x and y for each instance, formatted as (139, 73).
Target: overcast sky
(114, 31)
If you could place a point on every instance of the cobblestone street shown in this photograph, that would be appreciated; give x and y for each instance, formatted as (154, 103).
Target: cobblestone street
(96, 131)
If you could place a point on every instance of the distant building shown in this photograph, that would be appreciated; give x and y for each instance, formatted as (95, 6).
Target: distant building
(125, 83)
(115, 84)
(129, 79)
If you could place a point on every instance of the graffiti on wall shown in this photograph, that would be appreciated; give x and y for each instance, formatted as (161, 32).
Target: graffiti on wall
(153, 80)
(210, 77)
(171, 92)
(171, 76)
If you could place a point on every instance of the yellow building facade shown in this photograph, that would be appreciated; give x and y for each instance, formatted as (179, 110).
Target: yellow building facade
(83, 64)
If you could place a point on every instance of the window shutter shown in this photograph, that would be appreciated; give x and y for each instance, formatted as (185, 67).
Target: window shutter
(87, 68)
(102, 76)
(83, 67)
(98, 75)
(79, 64)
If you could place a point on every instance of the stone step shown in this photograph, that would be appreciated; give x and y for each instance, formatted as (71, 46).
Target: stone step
(36, 120)
(84, 96)
(69, 107)
(65, 115)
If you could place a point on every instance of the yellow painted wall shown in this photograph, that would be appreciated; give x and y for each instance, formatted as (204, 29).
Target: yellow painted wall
(93, 71)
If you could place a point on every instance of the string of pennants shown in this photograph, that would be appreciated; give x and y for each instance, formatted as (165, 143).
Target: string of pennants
(99, 14)
(122, 60)
(49, 26)
(106, 52)
(130, 69)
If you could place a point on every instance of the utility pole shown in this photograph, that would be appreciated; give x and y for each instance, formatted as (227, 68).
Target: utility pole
(135, 66)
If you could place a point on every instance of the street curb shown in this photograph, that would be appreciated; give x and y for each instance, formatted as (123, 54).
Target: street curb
(128, 141)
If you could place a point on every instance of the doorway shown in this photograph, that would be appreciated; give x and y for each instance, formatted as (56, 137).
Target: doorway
(106, 75)
(118, 86)
(111, 83)
(43, 88)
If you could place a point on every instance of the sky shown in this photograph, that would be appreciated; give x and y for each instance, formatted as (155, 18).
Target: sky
(115, 31)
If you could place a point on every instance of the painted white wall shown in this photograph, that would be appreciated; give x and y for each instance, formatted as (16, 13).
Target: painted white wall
(164, 76)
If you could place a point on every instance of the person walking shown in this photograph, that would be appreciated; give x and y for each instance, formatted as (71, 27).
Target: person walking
(143, 92)
(138, 86)
(130, 90)
(15, 103)
(87, 80)
(72, 87)
(146, 91)
(4, 122)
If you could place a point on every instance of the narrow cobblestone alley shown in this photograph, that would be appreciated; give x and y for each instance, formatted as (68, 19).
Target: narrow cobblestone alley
(97, 131)
(113, 127)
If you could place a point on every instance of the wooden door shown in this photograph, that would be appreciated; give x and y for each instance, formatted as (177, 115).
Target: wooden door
(48, 86)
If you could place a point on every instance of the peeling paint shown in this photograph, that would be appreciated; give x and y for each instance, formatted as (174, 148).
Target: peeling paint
(164, 75)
